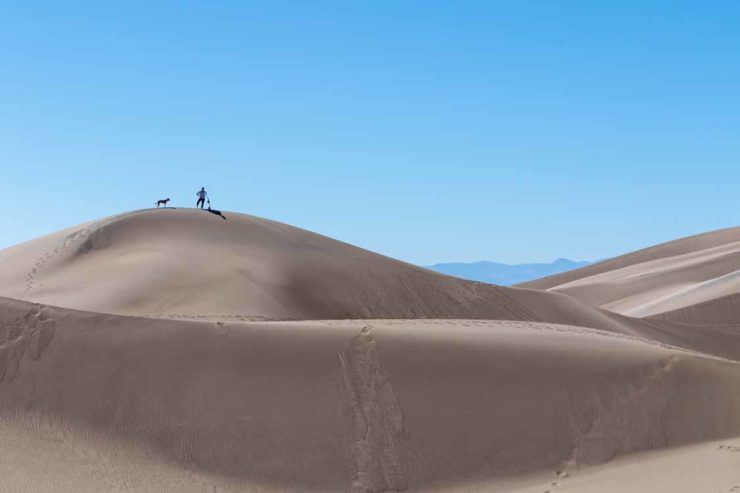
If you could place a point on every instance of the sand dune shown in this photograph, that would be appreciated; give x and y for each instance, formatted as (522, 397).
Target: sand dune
(205, 360)
(669, 249)
(337, 406)
(660, 279)
(186, 263)
(191, 265)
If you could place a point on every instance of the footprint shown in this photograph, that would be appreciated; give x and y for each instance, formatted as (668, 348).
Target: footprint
(26, 335)
(555, 484)
(729, 448)
(222, 329)
(41, 261)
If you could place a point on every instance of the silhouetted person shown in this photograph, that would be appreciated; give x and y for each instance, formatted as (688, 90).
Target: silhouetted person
(201, 197)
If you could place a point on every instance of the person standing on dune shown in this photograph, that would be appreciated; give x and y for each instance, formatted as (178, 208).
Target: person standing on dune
(201, 197)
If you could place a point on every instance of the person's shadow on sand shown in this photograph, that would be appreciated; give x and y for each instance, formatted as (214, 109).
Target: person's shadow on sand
(218, 213)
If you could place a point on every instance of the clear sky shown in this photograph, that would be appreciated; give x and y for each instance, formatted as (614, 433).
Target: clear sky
(428, 131)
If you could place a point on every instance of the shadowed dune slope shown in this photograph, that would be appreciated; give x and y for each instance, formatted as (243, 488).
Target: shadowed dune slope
(660, 279)
(95, 402)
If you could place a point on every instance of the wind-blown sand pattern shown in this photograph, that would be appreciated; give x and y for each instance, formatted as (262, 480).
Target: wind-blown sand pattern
(660, 279)
(381, 376)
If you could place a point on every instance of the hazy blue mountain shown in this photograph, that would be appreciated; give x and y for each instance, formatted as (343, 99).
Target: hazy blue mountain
(505, 274)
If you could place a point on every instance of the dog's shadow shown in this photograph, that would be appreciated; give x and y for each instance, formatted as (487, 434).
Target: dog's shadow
(218, 213)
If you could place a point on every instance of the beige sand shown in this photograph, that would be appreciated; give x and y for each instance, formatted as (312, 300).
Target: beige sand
(664, 278)
(334, 406)
(180, 377)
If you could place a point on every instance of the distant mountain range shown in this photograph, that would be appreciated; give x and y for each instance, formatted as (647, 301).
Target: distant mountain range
(506, 274)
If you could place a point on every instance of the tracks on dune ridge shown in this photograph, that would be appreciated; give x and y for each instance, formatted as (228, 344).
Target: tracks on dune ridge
(377, 423)
(71, 239)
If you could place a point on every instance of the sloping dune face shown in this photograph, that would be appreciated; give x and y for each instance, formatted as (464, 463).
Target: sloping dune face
(93, 402)
(660, 279)
(190, 263)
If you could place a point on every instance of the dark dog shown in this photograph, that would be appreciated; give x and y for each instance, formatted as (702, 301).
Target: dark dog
(162, 202)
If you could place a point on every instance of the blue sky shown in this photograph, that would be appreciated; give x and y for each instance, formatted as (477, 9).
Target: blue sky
(428, 131)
